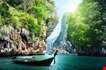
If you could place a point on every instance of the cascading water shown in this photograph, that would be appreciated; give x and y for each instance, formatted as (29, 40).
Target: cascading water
(58, 37)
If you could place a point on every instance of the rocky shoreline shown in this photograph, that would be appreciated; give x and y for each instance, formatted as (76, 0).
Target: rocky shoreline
(80, 53)
(19, 42)
(95, 52)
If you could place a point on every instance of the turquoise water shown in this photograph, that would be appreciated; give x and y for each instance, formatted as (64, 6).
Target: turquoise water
(63, 62)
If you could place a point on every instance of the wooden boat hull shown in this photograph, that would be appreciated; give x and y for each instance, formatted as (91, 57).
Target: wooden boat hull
(45, 62)
(31, 61)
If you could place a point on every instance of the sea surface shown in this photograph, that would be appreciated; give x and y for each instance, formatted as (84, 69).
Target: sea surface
(63, 62)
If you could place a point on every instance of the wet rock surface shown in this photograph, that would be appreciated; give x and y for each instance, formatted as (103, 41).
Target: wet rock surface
(18, 42)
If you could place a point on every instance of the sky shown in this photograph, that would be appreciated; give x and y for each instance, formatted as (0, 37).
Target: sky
(63, 6)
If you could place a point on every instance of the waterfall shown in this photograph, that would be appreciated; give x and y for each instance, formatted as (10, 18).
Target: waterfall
(58, 36)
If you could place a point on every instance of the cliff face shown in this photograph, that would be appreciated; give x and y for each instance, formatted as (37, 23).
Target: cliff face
(36, 17)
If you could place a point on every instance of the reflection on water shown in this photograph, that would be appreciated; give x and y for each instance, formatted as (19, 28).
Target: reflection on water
(56, 67)
(63, 62)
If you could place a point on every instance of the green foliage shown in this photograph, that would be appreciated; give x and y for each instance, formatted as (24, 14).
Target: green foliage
(24, 20)
(1, 21)
(76, 30)
(40, 10)
(28, 14)
(85, 25)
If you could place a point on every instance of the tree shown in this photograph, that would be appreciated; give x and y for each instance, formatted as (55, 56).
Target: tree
(29, 14)
(85, 25)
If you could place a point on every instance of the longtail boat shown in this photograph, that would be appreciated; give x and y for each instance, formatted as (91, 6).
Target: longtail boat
(30, 61)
